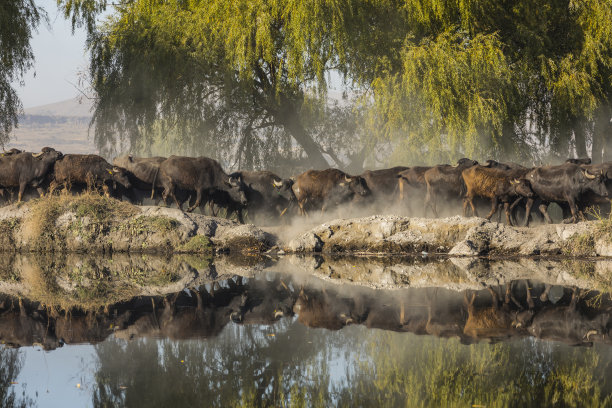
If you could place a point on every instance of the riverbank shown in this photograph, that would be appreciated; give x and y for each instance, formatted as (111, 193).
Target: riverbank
(97, 224)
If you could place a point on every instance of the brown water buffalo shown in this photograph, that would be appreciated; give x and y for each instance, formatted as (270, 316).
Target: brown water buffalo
(202, 175)
(498, 320)
(497, 185)
(565, 183)
(383, 183)
(445, 180)
(88, 170)
(23, 169)
(321, 189)
(412, 186)
(322, 309)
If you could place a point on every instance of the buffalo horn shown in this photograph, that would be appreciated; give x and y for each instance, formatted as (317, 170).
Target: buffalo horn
(37, 154)
(455, 165)
(588, 175)
(347, 178)
(516, 181)
(277, 184)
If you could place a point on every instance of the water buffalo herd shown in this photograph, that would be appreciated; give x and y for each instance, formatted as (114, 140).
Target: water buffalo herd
(200, 181)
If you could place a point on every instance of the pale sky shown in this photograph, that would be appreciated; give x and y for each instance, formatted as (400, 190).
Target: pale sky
(59, 55)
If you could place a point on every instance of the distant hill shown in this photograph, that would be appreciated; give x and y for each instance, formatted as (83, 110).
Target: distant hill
(68, 108)
(63, 125)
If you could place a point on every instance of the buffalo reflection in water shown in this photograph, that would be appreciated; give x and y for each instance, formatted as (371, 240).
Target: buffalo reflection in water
(518, 309)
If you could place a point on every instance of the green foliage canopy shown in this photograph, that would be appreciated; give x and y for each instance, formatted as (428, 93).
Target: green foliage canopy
(437, 79)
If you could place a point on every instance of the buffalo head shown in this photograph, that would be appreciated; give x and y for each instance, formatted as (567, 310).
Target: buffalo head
(594, 182)
(357, 185)
(465, 162)
(235, 188)
(120, 176)
(522, 187)
(284, 189)
(48, 154)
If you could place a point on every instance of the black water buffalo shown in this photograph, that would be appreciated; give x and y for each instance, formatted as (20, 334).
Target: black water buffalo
(445, 180)
(565, 183)
(142, 173)
(88, 170)
(11, 152)
(570, 324)
(23, 169)
(321, 189)
(267, 195)
(496, 185)
(202, 175)
(585, 160)
(502, 166)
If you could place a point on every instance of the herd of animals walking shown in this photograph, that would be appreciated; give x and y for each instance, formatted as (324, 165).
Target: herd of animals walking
(574, 185)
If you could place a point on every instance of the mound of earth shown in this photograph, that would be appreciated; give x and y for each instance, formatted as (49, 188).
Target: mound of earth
(456, 236)
(94, 223)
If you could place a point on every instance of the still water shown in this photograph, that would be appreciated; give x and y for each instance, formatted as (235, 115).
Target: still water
(274, 339)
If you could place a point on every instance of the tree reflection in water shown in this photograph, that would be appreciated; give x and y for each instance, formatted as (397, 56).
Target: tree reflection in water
(287, 364)
(11, 362)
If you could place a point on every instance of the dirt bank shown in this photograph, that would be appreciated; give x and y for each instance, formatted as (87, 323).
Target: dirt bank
(92, 223)
(456, 236)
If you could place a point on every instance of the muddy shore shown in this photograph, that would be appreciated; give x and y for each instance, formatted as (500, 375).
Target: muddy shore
(96, 224)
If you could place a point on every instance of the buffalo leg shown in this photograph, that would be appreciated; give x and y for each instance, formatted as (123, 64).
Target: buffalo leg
(527, 211)
(197, 202)
(22, 187)
(508, 214)
(430, 201)
(544, 210)
(465, 205)
(573, 209)
(494, 205)
(240, 217)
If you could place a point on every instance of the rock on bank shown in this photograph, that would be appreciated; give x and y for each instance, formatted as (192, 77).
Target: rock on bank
(94, 223)
(457, 236)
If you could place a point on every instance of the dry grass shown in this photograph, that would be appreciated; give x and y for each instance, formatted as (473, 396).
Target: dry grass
(40, 225)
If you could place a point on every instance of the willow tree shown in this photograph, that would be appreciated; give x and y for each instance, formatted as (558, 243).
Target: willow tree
(501, 78)
(224, 75)
(18, 18)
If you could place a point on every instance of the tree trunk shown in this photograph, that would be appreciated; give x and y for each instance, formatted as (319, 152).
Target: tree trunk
(289, 118)
(602, 135)
(579, 126)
